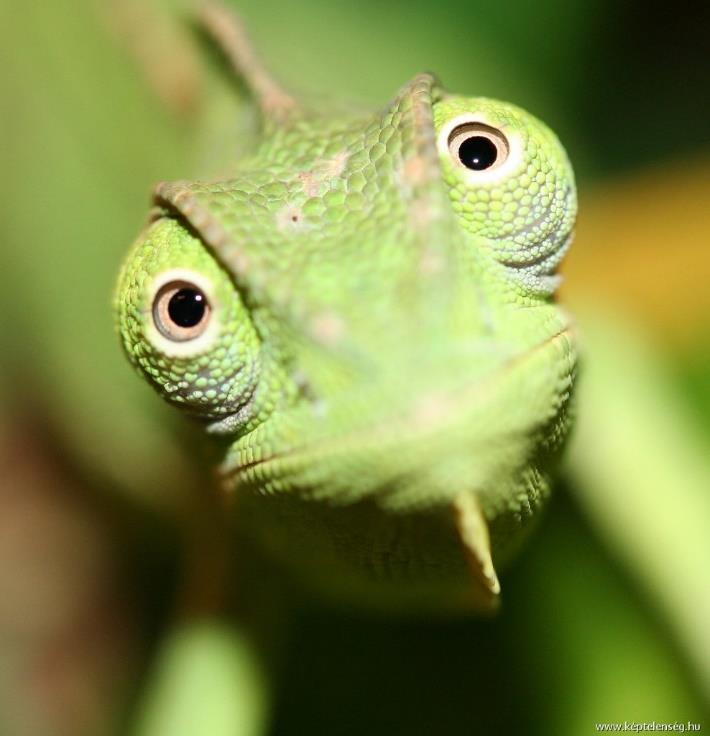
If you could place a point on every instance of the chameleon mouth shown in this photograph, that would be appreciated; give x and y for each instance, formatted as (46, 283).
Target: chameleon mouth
(539, 272)
(558, 241)
(552, 237)
(225, 423)
(438, 428)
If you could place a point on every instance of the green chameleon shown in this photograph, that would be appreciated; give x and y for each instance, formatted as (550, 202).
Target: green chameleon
(362, 312)
(365, 308)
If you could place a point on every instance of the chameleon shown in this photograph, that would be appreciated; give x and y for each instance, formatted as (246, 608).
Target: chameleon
(362, 311)
(89, 127)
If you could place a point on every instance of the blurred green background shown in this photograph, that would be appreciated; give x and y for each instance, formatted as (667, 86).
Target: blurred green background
(106, 519)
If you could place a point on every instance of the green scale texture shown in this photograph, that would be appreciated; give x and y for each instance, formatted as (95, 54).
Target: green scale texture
(385, 336)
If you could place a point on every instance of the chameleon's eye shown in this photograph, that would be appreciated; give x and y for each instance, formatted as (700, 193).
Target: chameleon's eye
(478, 147)
(181, 311)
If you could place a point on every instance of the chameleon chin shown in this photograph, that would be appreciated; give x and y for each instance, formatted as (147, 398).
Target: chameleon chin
(365, 307)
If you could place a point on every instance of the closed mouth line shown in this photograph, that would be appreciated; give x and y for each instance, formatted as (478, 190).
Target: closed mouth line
(537, 260)
(511, 363)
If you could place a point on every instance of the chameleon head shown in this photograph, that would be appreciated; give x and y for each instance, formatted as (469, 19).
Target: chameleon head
(366, 306)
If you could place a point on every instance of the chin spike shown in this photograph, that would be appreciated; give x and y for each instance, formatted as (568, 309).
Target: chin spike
(473, 533)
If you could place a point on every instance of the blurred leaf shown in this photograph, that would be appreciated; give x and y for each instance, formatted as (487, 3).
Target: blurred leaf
(641, 472)
(88, 139)
(207, 682)
(642, 247)
(592, 649)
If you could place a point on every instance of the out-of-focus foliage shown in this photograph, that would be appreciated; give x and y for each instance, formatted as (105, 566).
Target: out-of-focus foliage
(209, 681)
(642, 248)
(100, 99)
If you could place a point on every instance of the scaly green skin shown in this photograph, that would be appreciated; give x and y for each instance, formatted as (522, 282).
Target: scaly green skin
(383, 348)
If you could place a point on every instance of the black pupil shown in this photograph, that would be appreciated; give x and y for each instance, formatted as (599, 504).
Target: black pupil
(478, 153)
(187, 307)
